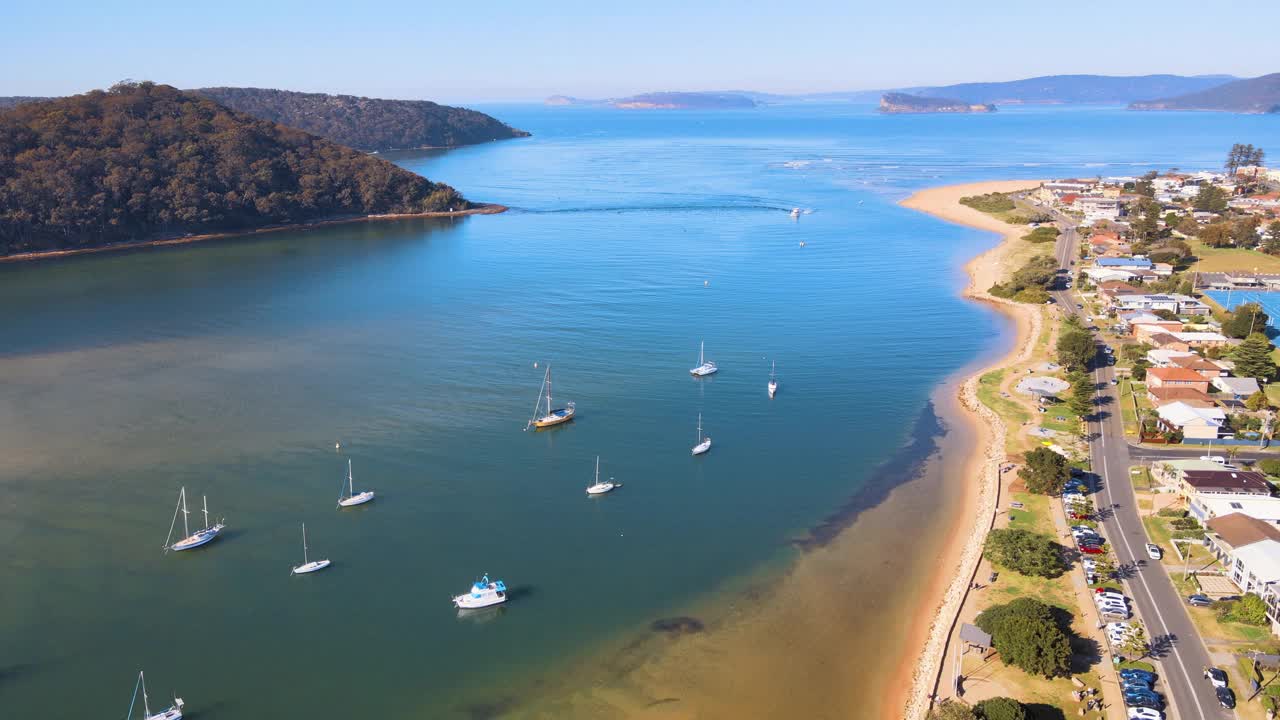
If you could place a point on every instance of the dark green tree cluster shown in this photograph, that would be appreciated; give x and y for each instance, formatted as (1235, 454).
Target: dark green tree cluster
(1076, 348)
(1243, 156)
(1271, 241)
(1031, 282)
(1210, 198)
(1249, 610)
(366, 123)
(1245, 320)
(989, 203)
(1000, 708)
(1044, 471)
(1025, 552)
(143, 160)
(1030, 635)
(1042, 234)
(1082, 392)
(1253, 358)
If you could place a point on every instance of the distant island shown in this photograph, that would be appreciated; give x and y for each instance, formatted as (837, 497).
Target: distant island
(1255, 95)
(367, 124)
(143, 161)
(664, 101)
(1067, 89)
(904, 103)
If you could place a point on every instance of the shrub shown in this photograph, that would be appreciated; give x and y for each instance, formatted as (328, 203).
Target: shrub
(952, 710)
(1270, 467)
(1248, 610)
(1028, 635)
(1000, 708)
(1171, 512)
(1025, 552)
(1042, 234)
(989, 203)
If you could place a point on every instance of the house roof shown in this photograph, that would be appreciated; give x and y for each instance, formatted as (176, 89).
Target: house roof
(974, 635)
(1262, 559)
(1246, 480)
(1236, 385)
(1195, 362)
(1189, 395)
(1123, 262)
(1175, 374)
(1257, 506)
(1239, 530)
(1162, 339)
(1166, 356)
(1201, 336)
(1180, 414)
(1118, 287)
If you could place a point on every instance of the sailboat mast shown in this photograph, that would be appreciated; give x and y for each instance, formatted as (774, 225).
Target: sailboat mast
(548, 389)
(699, 427)
(186, 531)
(351, 483)
(304, 543)
(701, 346)
(597, 469)
(205, 498)
(146, 705)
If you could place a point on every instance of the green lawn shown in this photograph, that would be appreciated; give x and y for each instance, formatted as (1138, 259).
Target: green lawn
(1142, 479)
(1211, 629)
(1226, 259)
(1069, 424)
(1127, 413)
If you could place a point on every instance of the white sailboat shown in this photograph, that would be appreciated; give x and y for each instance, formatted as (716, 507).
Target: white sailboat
(795, 212)
(351, 499)
(705, 367)
(773, 379)
(308, 566)
(704, 444)
(483, 594)
(189, 539)
(554, 415)
(600, 488)
(173, 712)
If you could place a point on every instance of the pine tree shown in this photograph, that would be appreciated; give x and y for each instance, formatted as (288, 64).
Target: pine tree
(1253, 358)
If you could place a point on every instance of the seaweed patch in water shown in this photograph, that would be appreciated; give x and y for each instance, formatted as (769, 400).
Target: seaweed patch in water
(681, 625)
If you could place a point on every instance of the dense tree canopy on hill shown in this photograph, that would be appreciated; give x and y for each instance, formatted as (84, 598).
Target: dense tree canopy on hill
(143, 160)
(366, 123)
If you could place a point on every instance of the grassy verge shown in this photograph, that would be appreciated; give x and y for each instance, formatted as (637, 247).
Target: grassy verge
(1212, 630)
(1226, 259)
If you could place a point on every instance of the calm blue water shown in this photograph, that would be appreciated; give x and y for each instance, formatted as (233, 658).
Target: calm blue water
(1269, 300)
(232, 368)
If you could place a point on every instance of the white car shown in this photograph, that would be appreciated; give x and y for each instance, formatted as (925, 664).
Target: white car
(1154, 552)
(1141, 713)
(1109, 596)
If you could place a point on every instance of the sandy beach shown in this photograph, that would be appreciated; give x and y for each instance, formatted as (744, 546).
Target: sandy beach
(981, 489)
(479, 209)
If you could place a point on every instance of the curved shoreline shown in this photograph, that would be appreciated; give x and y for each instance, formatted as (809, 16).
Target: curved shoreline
(479, 209)
(983, 465)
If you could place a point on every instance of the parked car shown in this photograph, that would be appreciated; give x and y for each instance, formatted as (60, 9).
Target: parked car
(1091, 550)
(1142, 713)
(1215, 676)
(1154, 552)
(1199, 600)
(1143, 698)
(1103, 595)
(1137, 673)
(1226, 698)
(1134, 686)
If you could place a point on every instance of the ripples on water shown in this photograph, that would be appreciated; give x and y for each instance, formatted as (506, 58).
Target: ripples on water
(233, 367)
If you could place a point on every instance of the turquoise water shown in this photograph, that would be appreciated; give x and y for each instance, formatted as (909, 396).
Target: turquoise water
(232, 367)
(1268, 299)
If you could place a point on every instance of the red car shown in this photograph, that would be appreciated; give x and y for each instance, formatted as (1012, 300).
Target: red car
(1090, 550)
(1081, 516)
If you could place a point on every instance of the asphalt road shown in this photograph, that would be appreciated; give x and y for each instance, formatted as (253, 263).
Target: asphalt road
(1176, 645)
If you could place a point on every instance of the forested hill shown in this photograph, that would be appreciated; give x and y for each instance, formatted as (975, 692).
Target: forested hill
(144, 160)
(366, 123)
(1255, 95)
(1076, 88)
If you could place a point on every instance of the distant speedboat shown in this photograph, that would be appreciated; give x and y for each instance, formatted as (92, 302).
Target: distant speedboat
(554, 415)
(704, 444)
(600, 488)
(191, 540)
(483, 594)
(308, 566)
(773, 379)
(705, 367)
(173, 712)
(351, 499)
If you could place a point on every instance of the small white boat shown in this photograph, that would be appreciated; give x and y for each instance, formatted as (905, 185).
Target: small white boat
(704, 444)
(308, 566)
(705, 367)
(795, 212)
(351, 499)
(600, 488)
(173, 712)
(483, 594)
(773, 379)
(554, 415)
(191, 539)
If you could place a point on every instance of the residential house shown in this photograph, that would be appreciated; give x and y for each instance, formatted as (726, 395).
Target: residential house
(1128, 263)
(1204, 339)
(1164, 358)
(1223, 482)
(1191, 396)
(1177, 377)
(1142, 331)
(1109, 291)
(1247, 548)
(1169, 472)
(1099, 208)
(1165, 341)
(1194, 423)
(1173, 302)
(1237, 388)
(1207, 507)
(1207, 368)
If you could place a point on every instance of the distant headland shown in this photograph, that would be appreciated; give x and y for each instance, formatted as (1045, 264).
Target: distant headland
(1252, 96)
(898, 103)
(664, 101)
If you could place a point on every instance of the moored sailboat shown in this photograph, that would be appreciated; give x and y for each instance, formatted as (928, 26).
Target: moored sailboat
(704, 444)
(308, 566)
(600, 488)
(705, 367)
(554, 415)
(351, 498)
(173, 712)
(189, 539)
(773, 379)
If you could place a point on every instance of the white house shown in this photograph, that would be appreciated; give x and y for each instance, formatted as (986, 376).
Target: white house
(1255, 565)
(1238, 388)
(1193, 422)
(1099, 208)
(1207, 507)
(1164, 358)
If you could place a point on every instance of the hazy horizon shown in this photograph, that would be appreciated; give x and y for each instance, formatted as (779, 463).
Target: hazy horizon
(518, 53)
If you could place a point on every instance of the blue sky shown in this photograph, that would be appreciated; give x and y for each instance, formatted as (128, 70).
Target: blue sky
(497, 50)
